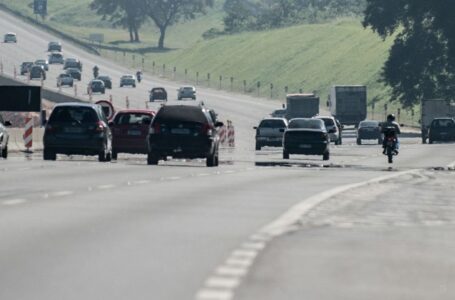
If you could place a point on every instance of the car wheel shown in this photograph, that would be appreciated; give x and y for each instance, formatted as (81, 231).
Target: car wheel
(258, 147)
(285, 154)
(114, 155)
(152, 158)
(5, 152)
(326, 155)
(102, 155)
(134, 85)
(49, 155)
(359, 141)
(430, 141)
(121, 85)
(210, 161)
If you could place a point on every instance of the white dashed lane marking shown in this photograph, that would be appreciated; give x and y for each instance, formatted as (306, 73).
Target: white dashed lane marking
(62, 193)
(106, 186)
(12, 202)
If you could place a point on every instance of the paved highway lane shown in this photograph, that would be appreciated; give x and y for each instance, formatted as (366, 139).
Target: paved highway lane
(79, 229)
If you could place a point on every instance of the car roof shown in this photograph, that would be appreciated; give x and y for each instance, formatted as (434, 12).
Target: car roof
(274, 118)
(134, 111)
(10, 33)
(96, 80)
(104, 76)
(324, 117)
(446, 118)
(80, 104)
(182, 112)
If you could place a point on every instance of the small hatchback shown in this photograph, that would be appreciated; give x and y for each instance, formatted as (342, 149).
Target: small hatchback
(96, 86)
(4, 137)
(270, 132)
(158, 93)
(369, 130)
(183, 131)
(128, 80)
(56, 58)
(332, 128)
(54, 46)
(10, 37)
(186, 92)
(77, 128)
(129, 131)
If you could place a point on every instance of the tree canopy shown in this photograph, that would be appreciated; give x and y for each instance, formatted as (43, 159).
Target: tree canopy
(421, 62)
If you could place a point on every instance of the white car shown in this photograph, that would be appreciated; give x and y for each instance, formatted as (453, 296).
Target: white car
(10, 37)
(128, 80)
(333, 128)
(186, 92)
(270, 132)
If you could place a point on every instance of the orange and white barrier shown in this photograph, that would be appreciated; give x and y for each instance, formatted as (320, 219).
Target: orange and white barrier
(223, 135)
(230, 134)
(28, 134)
(110, 98)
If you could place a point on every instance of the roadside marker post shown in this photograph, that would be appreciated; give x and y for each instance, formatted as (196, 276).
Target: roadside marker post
(28, 134)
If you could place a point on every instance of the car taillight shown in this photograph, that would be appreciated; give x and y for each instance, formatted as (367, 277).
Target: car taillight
(155, 128)
(207, 129)
(99, 126)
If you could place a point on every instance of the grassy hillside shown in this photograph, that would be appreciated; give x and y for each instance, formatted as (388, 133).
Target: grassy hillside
(76, 18)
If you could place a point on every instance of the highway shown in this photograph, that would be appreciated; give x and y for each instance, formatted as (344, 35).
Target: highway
(79, 229)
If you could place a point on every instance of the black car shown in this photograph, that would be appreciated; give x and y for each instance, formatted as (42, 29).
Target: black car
(96, 86)
(54, 46)
(72, 63)
(75, 73)
(442, 130)
(37, 72)
(158, 93)
(77, 128)
(369, 130)
(4, 137)
(306, 136)
(183, 131)
(25, 67)
(107, 81)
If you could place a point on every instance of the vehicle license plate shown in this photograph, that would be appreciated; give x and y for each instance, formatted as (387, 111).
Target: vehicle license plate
(180, 131)
(73, 130)
(134, 132)
(305, 146)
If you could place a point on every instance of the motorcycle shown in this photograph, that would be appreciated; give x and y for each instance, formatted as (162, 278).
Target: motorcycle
(390, 143)
(95, 72)
(139, 77)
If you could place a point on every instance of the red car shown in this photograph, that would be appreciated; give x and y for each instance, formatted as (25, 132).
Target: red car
(129, 131)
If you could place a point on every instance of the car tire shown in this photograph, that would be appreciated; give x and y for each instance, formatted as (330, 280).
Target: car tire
(5, 152)
(258, 147)
(285, 154)
(359, 141)
(114, 155)
(49, 154)
(121, 85)
(103, 155)
(430, 141)
(326, 155)
(211, 159)
(152, 159)
(134, 85)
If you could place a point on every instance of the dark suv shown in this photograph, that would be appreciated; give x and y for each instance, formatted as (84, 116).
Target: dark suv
(77, 128)
(183, 131)
(4, 137)
(442, 129)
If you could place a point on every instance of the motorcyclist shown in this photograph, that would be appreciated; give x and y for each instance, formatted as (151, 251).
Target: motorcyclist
(386, 130)
(95, 71)
(139, 76)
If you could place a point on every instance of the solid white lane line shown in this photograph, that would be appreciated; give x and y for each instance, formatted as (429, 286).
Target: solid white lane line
(141, 182)
(203, 174)
(240, 261)
(13, 202)
(62, 193)
(209, 294)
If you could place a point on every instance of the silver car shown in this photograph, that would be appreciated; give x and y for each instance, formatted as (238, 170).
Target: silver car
(270, 132)
(4, 137)
(42, 62)
(186, 92)
(65, 79)
(332, 128)
(56, 58)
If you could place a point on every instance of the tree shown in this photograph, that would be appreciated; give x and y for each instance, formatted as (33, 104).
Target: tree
(126, 13)
(167, 12)
(421, 62)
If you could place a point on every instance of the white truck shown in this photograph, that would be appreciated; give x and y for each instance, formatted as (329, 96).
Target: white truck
(431, 109)
(301, 106)
(348, 103)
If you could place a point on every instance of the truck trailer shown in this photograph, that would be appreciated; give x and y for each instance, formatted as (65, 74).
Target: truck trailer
(348, 103)
(301, 106)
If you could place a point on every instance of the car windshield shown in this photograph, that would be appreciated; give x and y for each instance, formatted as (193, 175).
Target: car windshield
(272, 124)
(56, 55)
(328, 122)
(73, 114)
(131, 118)
(64, 76)
(306, 123)
(40, 61)
(97, 83)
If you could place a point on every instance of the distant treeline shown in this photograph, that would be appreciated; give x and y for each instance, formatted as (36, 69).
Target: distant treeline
(241, 15)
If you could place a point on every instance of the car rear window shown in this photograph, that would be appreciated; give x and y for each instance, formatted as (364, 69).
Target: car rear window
(442, 123)
(73, 114)
(368, 124)
(131, 118)
(306, 123)
(328, 122)
(180, 113)
(272, 124)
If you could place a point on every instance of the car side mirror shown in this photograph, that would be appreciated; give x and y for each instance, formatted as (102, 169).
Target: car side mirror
(7, 123)
(255, 127)
(282, 130)
(402, 125)
(219, 124)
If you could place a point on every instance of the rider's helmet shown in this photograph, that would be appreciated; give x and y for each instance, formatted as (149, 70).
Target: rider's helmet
(391, 118)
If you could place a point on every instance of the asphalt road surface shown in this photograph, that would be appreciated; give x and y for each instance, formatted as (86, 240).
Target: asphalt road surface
(79, 229)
